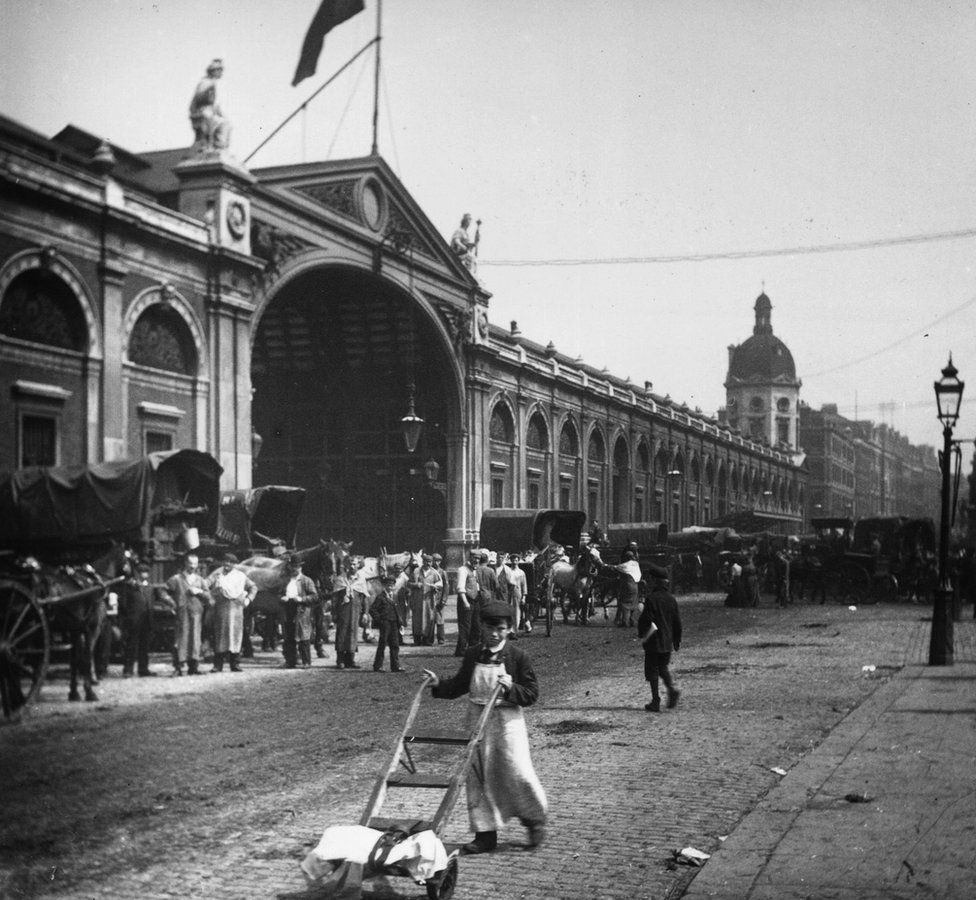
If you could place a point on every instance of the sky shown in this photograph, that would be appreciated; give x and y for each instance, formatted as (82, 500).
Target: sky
(643, 170)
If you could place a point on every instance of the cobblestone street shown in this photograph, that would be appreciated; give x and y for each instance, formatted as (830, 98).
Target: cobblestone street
(216, 787)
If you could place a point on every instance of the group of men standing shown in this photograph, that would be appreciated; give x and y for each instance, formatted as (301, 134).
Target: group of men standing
(223, 594)
(478, 582)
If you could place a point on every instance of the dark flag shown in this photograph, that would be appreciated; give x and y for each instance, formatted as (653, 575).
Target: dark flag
(330, 14)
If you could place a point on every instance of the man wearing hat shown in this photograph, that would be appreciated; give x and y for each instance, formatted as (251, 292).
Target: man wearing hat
(440, 598)
(467, 599)
(487, 591)
(296, 601)
(188, 591)
(425, 589)
(659, 628)
(505, 785)
(135, 614)
(231, 591)
(385, 614)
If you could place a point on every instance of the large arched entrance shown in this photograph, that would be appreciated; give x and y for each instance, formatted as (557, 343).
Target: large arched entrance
(333, 357)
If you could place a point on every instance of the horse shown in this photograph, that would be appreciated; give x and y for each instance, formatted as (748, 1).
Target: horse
(405, 559)
(74, 599)
(270, 575)
(570, 580)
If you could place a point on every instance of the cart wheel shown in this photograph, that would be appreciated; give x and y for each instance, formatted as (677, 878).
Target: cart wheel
(854, 585)
(24, 648)
(442, 887)
(885, 588)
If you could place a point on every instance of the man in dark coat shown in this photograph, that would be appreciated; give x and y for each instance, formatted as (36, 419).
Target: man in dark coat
(659, 628)
(136, 616)
(385, 613)
(487, 580)
(296, 601)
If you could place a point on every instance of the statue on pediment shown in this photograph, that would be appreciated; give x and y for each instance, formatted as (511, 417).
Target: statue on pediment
(464, 247)
(211, 128)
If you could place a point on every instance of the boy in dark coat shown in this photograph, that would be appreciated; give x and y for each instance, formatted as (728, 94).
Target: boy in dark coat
(505, 785)
(659, 628)
(385, 613)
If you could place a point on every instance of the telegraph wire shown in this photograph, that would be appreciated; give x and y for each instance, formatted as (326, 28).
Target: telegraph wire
(913, 334)
(740, 254)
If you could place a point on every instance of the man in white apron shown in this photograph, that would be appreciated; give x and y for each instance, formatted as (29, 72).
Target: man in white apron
(231, 591)
(505, 784)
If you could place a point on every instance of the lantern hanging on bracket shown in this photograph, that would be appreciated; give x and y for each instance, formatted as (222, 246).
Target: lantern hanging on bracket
(411, 424)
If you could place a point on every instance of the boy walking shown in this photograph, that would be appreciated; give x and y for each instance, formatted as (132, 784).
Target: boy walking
(659, 628)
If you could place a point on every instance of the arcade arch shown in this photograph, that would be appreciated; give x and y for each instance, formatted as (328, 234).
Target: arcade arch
(336, 354)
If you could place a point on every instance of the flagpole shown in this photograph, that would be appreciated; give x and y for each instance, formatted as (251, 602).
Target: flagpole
(310, 99)
(376, 78)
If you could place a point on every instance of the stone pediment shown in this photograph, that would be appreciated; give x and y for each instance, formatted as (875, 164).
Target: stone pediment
(366, 196)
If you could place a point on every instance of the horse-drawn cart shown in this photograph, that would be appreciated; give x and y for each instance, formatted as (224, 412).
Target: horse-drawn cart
(542, 535)
(64, 533)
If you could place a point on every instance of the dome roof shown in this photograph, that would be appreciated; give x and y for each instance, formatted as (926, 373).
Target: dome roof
(762, 357)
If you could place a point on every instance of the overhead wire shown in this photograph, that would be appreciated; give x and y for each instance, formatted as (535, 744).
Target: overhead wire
(893, 344)
(740, 254)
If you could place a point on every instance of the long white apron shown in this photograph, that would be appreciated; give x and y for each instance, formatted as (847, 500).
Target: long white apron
(502, 782)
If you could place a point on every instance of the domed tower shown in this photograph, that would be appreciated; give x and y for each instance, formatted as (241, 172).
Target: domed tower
(762, 390)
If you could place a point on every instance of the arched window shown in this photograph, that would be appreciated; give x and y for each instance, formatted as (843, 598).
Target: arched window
(500, 428)
(695, 471)
(568, 441)
(709, 473)
(756, 404)
(621, 457)
(643, 458)
(536, 435)
(661, 462)
(161, 339)
(596, 451)
(679, 465)
(39, 307)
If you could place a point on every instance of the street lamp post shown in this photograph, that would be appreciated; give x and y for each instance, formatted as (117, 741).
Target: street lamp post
(948, 397)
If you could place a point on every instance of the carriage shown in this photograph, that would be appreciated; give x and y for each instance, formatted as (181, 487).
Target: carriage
(537, 535)
(65, 533)
(872, 559)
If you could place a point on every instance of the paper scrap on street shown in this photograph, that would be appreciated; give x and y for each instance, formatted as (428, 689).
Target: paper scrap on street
(689, 856)
(778, 770)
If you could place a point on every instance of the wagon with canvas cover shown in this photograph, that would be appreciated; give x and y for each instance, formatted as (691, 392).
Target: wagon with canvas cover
(64, 537)
(540, 536)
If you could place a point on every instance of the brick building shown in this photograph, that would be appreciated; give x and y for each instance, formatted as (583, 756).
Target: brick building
(287, 320)
(859, 468)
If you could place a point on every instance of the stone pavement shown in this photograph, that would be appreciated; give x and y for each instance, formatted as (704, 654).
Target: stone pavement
(884, 808)
(215, 788)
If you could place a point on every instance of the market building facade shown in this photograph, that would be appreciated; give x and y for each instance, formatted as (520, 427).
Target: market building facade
(298, 322)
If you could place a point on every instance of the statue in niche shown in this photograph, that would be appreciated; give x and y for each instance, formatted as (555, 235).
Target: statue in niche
(211, 129)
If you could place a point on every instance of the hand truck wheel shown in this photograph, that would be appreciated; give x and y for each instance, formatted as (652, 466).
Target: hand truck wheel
(442, 887)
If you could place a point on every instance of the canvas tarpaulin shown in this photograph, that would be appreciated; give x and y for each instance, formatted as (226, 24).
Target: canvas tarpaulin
(119, 499)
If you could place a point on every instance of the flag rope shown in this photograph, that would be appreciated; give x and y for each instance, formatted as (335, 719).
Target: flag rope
(311, 98)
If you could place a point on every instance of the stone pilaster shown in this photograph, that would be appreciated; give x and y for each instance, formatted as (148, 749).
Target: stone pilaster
(112, 403)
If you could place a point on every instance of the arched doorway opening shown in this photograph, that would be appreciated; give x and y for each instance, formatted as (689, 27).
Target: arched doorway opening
(333, 357)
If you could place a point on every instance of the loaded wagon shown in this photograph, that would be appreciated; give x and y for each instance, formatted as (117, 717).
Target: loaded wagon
(65, 537)
(539, 536)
